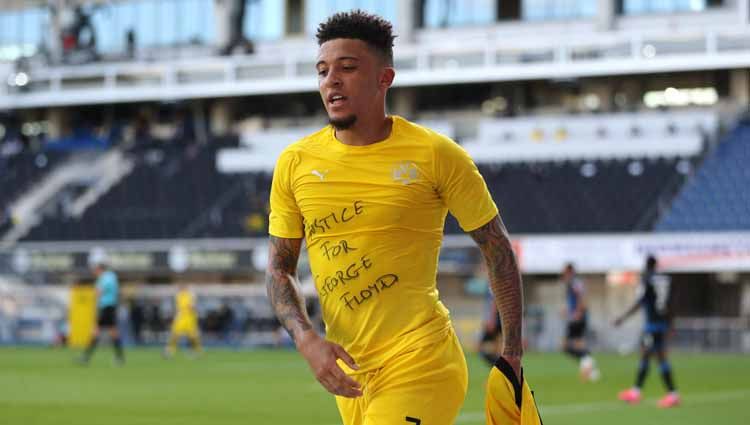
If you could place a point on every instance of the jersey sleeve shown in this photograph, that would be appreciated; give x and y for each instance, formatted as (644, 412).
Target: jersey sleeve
(461, 187)
(285, 218)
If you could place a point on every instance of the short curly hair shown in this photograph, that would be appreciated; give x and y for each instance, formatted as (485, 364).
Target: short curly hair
(357, 24)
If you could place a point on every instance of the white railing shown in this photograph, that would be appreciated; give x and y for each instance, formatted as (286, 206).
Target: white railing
(484, 56)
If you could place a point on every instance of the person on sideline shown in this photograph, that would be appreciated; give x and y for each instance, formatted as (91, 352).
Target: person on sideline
(107, 296)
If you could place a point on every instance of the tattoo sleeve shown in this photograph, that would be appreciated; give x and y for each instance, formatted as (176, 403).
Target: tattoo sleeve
(505, 281)
(281, 275)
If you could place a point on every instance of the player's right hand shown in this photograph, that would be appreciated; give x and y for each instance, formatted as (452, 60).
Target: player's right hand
(321, 356)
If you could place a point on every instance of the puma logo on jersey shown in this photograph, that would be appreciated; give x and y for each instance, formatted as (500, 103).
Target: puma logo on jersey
(320, 174)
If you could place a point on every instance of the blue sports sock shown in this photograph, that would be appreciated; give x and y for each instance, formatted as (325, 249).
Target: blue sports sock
(642, 372)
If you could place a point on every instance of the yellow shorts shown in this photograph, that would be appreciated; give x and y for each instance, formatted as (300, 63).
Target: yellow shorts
(507, 402)
(187, 326)
(426, 386)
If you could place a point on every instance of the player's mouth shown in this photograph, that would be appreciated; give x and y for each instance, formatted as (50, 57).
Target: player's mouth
(336, 100)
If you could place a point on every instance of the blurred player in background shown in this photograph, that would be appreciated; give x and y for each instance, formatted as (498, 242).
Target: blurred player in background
(369, 194)
(576, 315)
(653, 297)
(107, 298)
(184, 324)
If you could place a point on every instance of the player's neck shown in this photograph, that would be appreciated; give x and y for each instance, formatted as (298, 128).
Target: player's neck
(366, 131)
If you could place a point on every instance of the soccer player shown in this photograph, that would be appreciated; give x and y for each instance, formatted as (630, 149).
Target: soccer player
(577, 320)
(107, 295)
(369, 194)
(184, 324)
(653, 297)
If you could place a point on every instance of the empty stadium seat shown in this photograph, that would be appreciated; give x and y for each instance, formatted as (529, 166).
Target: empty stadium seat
(716, 198)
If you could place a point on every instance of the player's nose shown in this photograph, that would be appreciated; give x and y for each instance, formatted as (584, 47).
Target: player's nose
(332, 79)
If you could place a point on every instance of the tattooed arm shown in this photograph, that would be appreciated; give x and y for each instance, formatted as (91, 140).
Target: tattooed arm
(505, 282)
(287, 302)
(289, 306)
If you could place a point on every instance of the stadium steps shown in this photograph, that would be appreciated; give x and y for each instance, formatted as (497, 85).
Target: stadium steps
(168, 190)
(96, 173)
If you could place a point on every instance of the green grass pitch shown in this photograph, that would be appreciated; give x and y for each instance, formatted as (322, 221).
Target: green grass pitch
(44, 386)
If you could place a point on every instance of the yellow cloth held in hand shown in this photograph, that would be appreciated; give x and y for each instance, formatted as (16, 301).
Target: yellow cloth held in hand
(507, 401)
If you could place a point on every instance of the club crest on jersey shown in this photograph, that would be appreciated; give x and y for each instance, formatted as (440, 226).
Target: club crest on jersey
(405, 172)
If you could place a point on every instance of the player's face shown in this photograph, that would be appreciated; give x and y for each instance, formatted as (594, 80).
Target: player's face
(352, 80)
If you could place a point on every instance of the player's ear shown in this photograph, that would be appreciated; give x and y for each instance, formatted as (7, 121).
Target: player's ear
(387, 75)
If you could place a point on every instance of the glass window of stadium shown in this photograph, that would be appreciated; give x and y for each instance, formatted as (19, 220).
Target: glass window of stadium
(537, 10)
(264, 19)
(176, 22)
(153, 22)
(21, 32)
(452, 13)
(639, 7)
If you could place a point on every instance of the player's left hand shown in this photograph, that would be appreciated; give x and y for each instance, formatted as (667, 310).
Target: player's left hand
(322, 356)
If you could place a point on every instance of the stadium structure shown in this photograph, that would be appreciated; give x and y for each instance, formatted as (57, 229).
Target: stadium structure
(144, 132)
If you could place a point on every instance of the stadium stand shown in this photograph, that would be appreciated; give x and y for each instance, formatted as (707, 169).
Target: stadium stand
(581, 196)
(716, 197)
(166, 191)
(15, 170)
(21, 171)
(220, 190)
(241, 212)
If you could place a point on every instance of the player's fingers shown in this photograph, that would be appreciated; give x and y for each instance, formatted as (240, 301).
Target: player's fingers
(347, 391)
(343, 379)
(336, 388)
(343, 355)
(325, 381)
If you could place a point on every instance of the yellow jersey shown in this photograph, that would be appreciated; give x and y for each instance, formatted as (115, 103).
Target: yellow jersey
(373, 217)
(184, 303)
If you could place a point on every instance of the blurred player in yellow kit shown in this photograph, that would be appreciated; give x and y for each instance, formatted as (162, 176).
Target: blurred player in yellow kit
(185, 323)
